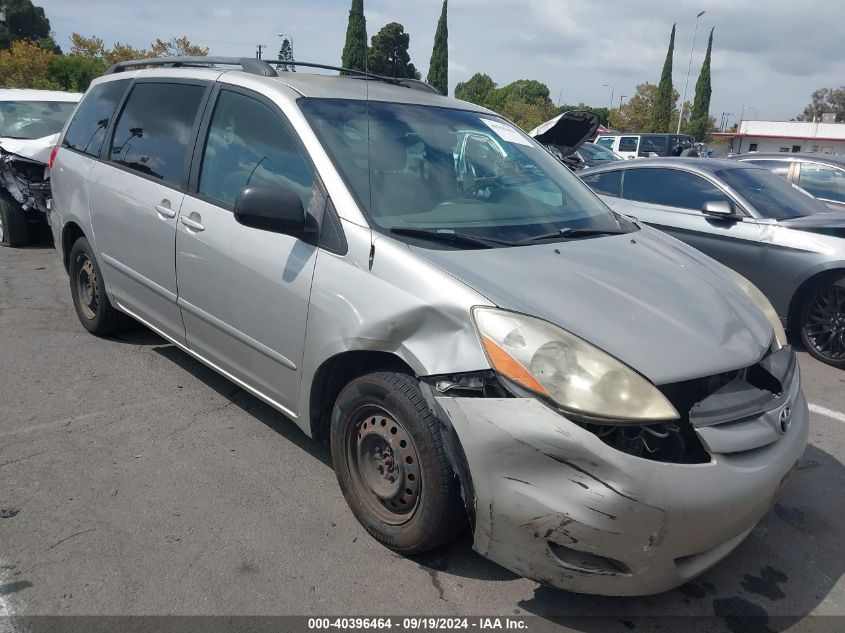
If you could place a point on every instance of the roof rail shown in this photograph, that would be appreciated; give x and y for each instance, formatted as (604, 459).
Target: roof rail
(247, 64)
(261, 67)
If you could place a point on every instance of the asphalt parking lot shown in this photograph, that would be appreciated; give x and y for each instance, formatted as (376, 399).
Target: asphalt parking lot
(146, 484)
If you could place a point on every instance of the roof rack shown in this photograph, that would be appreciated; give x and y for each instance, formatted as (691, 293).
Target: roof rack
(262, 67)
(247, 64)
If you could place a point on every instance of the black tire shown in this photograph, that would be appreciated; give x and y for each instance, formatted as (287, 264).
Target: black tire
(14, 228)
(88, 290)
(427, 509)
(822, 321)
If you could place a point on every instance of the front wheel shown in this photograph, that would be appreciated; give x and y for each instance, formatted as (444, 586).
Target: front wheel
(391, 465)
(823, 322)
(14, 228)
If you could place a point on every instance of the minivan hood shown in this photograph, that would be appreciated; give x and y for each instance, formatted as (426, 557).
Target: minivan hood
(654, 303)
(567, 131)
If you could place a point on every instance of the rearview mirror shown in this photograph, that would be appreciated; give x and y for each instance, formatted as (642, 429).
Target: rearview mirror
(274, 209)
(718, 208)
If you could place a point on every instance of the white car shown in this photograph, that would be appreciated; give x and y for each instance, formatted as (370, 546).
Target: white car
(30, 122)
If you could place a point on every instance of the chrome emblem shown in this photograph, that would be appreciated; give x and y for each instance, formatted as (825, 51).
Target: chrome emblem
(785, 419)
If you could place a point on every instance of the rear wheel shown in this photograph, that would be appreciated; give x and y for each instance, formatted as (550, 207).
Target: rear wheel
(93, 307)
(823, 322)
(391, 465)
(14, 229)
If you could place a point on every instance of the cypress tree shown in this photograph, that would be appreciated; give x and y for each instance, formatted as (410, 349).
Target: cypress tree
(661, 116)
(700, 117)
(438, 68)
(355, 49)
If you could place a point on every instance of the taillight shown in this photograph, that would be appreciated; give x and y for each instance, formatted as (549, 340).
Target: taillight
(53, 156)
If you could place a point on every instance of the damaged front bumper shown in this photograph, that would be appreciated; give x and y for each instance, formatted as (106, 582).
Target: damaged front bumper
(556, 504)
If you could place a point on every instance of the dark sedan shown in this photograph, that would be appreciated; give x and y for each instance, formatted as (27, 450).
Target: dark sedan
(790, 245)
(822, 175)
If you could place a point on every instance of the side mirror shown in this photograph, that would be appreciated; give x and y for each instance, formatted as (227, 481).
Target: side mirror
(274, 209)
(719, 209)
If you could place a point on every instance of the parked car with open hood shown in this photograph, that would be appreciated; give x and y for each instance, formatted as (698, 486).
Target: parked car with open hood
(565, 134)
(612, 410)
(822, 175)
(30, 122)
(772, 232)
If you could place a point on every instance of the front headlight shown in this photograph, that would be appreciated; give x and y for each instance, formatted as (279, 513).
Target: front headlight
(763, 303)
(576, 375)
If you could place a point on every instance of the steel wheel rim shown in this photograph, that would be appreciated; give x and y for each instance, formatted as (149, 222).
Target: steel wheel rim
(383, 464)
(86, 287)
(824, 322)
(2, 229)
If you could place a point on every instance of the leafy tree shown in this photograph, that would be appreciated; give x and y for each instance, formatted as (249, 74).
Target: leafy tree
(602, 113)
(825, 100)
(438, 68)
(74, 73)
(476, 89)
(25, 21)
(525, 114)
(389, 53)
(93, 48)
(177, 47)
(637, 114)
(25, 65)
(700, 116)
(527, 90)
(662, 113)
(285, 54)
(355, 49)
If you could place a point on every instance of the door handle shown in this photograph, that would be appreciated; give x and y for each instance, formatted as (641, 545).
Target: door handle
(191, 224)
(167, 212)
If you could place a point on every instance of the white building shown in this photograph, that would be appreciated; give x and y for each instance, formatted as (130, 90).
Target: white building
(786, 136)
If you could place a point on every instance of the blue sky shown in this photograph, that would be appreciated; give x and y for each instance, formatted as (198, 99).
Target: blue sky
(768, 54)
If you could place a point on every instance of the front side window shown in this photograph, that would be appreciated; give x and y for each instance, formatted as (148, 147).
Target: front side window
(33, 119)
(608, 183)
(87, 131)
(822, 181)
(628, 144)
(671, 188)
(442, 169)
(154, 130)
(772, 196)
(248, 144)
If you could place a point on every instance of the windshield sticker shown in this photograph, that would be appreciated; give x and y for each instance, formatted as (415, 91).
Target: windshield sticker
(506, 132)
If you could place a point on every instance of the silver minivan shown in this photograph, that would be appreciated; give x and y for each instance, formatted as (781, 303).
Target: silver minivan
(414, 279)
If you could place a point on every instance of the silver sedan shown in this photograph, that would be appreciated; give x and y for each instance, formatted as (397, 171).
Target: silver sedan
(782, 239)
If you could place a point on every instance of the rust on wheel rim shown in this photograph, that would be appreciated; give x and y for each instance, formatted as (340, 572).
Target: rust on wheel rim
(86, 287)
(384, 465)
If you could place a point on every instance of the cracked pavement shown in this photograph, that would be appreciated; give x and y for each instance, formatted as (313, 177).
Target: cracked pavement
(147, 484)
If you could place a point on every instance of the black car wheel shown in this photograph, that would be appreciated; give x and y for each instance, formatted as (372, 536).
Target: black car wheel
(14, 229)
(823, 322)
(88, 289)
(391, 465)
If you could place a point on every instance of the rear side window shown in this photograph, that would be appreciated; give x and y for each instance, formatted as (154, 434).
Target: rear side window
(656, 144)
(608, 183)
(153, 131)
(87, 131)
(671, 188)
(779, 167)
(628, 144)
(248, 144)
(823, 181)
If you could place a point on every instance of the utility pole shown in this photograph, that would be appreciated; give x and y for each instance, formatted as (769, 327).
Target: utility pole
(611, 93)
(622, 98)
(259, 50)
(689, 67)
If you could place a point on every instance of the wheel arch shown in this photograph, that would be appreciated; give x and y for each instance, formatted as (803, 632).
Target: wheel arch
(71, 232)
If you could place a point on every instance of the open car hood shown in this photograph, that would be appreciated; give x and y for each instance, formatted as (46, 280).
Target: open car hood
(37, 149)
(567, 131)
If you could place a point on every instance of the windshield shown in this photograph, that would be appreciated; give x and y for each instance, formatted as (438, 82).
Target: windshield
(33, 119)
(772, 196)
(598, 155)
(439, 169)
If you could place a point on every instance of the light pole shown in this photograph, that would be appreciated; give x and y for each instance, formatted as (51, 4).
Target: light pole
(621, 99)
(756, 112)
(611, 93)
(689, 67)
